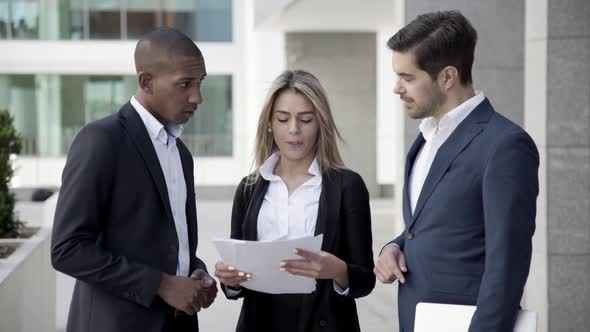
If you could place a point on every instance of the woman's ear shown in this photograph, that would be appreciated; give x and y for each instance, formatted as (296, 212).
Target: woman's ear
(146, 82)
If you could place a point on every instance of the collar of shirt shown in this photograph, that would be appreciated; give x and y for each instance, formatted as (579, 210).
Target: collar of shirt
(165, 135)
(430, 127)
(267, 170)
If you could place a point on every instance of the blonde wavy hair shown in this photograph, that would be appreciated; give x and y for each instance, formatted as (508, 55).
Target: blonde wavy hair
(306, 84)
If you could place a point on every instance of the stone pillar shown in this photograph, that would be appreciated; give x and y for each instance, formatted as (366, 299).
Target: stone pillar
(49, 115)
(558, 117)
(344, 62)
(500, 26)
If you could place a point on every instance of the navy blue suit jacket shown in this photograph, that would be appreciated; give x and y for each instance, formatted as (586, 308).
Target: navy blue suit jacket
(469, 240)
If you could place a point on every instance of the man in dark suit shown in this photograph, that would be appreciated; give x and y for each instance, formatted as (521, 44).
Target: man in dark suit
(471, 184)
(126, 224)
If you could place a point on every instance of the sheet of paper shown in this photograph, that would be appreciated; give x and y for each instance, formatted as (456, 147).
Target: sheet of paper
(456, 318)
(262, 259)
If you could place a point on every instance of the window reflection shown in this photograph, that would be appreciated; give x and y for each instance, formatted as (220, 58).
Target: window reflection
(209, 133)
(4, 19)
(201, 20)
(71, 19)
(142, 16)
(25, 19)
(104, 19)
(50, 110)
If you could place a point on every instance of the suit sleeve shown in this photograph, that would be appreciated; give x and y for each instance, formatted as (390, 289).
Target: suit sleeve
(400, 241)
(79, 220)
(237, 219)
(357, 222)
(199, 265)
(510, 189)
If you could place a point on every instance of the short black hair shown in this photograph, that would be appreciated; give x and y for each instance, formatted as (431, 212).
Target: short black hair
(439, 39)
(157, 48)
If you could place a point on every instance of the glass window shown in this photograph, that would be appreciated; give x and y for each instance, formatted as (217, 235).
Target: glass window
(88, 98)
(50, 110)
(71, 19)
(73, 116)
(3, 19)
(18, 96)
(25, 19)
(202, 20)
(104, 19)
(209, 132)
(214, 20)
(142, 16)
(103, 95)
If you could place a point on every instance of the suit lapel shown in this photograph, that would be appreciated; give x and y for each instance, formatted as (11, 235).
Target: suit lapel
(191, 213)
(250, 225)
(407, 210)
(138, 133)
(329, 209)
(457, 142)
(328, 217)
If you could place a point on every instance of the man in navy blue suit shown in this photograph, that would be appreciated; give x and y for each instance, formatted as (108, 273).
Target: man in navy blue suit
(471, 183)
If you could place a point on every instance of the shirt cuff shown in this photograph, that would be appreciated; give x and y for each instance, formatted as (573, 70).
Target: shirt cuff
(390, 244)
(340, 290)
(232, 292)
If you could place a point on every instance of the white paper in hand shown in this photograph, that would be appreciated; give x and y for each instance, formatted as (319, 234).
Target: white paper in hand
(262, 260)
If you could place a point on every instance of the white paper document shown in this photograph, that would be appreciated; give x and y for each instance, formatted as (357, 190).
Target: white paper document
(262, 260)
(456, 318)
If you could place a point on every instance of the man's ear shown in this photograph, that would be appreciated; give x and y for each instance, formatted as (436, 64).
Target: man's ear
(448, 77)
(146, 82)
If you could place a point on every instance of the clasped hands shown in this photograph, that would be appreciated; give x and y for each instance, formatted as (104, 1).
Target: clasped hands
(188, 294)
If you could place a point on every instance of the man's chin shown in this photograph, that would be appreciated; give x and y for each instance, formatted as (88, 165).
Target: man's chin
(416, 116)
(184, 118)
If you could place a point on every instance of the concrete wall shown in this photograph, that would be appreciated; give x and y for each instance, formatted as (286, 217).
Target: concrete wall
(345, 65)
(558, 116)
(27, 287)
(498, 69)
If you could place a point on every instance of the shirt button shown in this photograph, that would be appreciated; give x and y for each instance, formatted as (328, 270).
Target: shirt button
(323, 323)
(410, 236)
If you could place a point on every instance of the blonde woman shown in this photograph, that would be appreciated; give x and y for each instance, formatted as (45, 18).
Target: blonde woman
(300, 187)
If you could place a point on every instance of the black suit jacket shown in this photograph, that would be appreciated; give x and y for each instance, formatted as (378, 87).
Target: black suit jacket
(113, 229)
(344, 218)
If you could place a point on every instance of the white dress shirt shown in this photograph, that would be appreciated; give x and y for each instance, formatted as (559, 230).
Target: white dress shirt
(164, 141)
(436, 133)
(286, 217)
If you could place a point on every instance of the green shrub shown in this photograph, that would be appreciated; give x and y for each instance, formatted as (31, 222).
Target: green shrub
(9, 144)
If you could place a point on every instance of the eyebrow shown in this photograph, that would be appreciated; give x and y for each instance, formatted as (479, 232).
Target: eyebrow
(300, 113)
(405, 74)
(192, 78)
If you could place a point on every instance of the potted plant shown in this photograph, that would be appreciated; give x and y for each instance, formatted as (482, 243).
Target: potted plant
(10, 226)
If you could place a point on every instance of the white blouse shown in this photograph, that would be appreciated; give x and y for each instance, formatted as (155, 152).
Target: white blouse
(286, 217)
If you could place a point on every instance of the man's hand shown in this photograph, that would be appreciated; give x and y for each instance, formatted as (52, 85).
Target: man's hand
(209, 291)
(391, 265)
(183, 293)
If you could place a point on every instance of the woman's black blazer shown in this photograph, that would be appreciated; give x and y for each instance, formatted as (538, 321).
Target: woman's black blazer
(344, 218)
